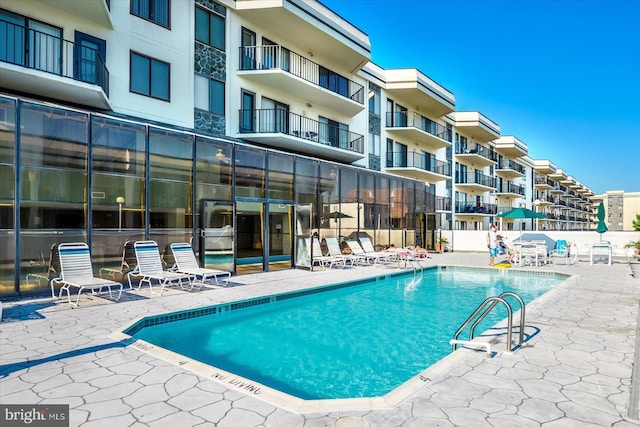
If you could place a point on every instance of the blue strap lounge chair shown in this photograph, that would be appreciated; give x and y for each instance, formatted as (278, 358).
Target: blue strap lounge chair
(185, 262)
(150, 268)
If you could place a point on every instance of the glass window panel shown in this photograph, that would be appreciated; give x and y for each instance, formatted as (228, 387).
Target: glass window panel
(169, 204)
(160, 79)
(12, 48)
(118, 201)
(7, 261)
(140, 74)
(213, 169)
(170, 155)
(117, 147)
(348, 211)
(217, 31)
(53, 137)
(202, 25)
(280, 176)
(216, 97)
(329, 194)
(306, 185)
(249, 171)
(201, 92)
(7, 160)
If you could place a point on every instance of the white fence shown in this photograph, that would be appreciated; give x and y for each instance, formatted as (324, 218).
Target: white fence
(476, 240)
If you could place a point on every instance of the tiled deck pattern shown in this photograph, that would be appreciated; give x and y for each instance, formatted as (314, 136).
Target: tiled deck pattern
(577, 371)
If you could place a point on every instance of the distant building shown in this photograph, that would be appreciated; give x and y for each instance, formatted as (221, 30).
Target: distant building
(620, 208)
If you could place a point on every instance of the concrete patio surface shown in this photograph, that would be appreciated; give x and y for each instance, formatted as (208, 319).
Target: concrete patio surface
(577, 371)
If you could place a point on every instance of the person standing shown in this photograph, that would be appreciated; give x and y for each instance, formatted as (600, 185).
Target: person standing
(493, 244)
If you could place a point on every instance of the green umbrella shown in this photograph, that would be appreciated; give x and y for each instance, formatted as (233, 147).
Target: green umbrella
(602, 227)
(521, 213)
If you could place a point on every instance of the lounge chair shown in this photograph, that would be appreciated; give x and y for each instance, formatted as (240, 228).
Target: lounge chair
(324, 260)
(561, 251)
(357, 250)
(50, 269)
(76, 271)
(368, 248)
(185, 262)
(150, 268)
(334, 250)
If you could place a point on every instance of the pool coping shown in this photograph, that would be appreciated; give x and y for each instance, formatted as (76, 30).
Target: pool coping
(299, 405)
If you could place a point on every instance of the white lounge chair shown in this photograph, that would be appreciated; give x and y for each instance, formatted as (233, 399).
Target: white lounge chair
(324, 260)
(150, 268)
(357, 250)
(186, 263)
(334, 250)
(76, 271)
(368, 248)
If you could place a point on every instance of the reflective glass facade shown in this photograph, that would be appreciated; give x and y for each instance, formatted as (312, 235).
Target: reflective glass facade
(70, 176)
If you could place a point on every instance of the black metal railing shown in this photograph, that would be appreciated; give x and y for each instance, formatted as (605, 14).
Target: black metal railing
(43, 52)
(270, 57)
(282, 121)
(543, 180)
(510, 187)
(403, 119)
(509, 164)
(443, 203)
(476, 208)
(420, 160)
(480, 150)
(476, 177)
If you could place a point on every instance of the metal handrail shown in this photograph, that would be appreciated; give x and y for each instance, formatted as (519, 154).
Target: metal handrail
(483, 310)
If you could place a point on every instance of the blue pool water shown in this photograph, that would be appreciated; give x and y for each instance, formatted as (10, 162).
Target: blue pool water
(356, 341)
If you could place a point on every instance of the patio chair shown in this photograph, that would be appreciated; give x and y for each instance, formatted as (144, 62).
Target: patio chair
(323, 260)
(128, 264)
(50, 269)
(185, 262)
(334, 250)
(76, 271)
(150, 268)
(368, 248)
(561, 251)
(357, 250)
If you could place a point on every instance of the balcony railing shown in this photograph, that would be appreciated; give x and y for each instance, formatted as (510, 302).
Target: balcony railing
(476, 208)
(404, 119)
(275, 57)
(475, 178)
(413, 159)
(282, 121)
(466, 148)
(43, 52)
(510, 187)
(508, 164)
(443, 203)
(543, 180)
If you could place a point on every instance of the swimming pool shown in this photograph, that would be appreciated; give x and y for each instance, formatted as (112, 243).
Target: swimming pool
(360, 339)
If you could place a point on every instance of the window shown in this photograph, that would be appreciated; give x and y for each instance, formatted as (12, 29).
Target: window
(210, 28)
(334, 82)
(149, 77)
(152, 10)
(333, 133)
(209, 94)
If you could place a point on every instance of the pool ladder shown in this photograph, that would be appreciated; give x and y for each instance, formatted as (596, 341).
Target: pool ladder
(481, 312)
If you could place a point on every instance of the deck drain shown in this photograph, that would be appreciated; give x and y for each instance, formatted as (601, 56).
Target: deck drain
(352, 422)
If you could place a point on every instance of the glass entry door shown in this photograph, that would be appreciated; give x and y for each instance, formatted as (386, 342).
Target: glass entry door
(280, 236)
(303, 236)
(250, 237)
(216, 235)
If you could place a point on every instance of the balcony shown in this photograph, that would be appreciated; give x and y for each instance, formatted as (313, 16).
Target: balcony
(443, 204)
(510, 190)
(475, 181)
(410, 87)
(476, 154)
(322, 32)
(37, 63)
(415, 127)
(296, 133)
(543, 183)
(475, 125)
(543, 167)
(509, 169)
(418, 165)
(512, 147)
(476, 208)
(279, 68)
(95, 11)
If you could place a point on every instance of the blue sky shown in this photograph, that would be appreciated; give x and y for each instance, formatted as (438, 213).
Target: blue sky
(563, 76)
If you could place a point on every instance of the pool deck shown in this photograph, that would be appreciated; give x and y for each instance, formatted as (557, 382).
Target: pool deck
(577, 370)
